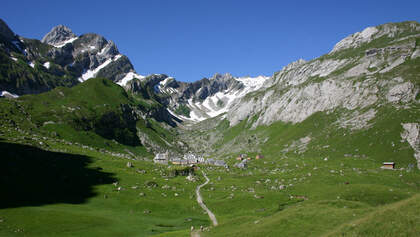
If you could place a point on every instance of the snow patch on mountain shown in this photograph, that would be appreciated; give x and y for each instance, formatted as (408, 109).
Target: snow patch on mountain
(47, 65)
(128, 77)
(62, 44)
(222, 101)
(8, 94)
(252, 83)
(92, 72)
(166, 81)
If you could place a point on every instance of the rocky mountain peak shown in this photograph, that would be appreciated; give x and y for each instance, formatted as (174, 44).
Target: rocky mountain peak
(356, 39)
(219, 76)
(294, 64)
(5, 31)
(58, 35)
(390, 30)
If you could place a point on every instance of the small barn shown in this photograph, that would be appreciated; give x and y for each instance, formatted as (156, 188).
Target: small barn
(388, 165)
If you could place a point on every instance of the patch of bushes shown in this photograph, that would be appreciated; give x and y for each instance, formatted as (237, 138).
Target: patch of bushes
(183, 110)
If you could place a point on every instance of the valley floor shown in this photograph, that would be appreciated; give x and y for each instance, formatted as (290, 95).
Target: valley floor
(274, 196)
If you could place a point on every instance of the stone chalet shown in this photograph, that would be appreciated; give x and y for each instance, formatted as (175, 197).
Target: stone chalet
(188, 159)
(161, 158)
(193, 159)
(214, 162)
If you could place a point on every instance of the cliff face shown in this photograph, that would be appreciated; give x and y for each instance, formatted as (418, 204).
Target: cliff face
(362, 71)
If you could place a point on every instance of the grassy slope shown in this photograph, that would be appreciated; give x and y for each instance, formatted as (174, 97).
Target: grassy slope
(399, 219)
(104, 210)
(339, 190)
(90, 113)
(332, 206)
(346, 187)
(71, 193)
(353, 157)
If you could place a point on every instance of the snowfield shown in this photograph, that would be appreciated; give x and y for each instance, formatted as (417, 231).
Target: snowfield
(222, 101)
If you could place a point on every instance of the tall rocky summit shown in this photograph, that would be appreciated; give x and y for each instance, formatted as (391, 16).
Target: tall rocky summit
(58, 35)
(61, 58)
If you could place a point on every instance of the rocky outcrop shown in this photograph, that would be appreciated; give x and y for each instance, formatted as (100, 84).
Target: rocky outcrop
(58, 35)
(117, 69)
(90, 55)
(356, 39)
(390, 30)
(296, 103)
(411, 134)
(404, 92)
(357, 120)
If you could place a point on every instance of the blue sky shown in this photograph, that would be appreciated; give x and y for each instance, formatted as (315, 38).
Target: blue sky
(192, 39)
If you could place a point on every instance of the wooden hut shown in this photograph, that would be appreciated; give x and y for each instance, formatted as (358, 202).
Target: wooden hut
(388, 165)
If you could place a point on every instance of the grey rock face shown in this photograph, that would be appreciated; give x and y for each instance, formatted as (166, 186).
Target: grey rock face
(298, 103)
(58, 35)
(242, 164)
(116, 69)
(321, 85)
(90, 55)
(357, 120)
(371, 33)
(411, 134)
(356, 39)
(403, 92)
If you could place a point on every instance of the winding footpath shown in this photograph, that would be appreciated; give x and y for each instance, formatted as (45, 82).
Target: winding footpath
(201, 203)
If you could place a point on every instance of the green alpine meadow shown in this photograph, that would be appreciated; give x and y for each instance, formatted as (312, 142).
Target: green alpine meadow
(322, 147)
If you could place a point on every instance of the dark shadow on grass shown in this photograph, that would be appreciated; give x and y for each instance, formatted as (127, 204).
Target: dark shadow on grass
(30, 176)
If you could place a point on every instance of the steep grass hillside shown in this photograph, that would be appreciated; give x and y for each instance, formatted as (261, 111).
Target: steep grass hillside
(98, 114)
